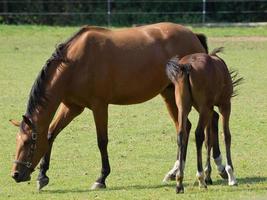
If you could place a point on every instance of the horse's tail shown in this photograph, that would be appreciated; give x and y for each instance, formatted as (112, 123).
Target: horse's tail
(203, 40)
(236, 80)
(179, 75)
(175, 70)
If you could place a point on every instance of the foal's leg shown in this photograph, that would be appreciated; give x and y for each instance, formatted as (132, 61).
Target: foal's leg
(204, 117)
(212, 142)
(208, 144)
(101, 121)
(64, 116)
(182, 139)
(225, 111)
(184, 104)
(169, 99)
(215, 147)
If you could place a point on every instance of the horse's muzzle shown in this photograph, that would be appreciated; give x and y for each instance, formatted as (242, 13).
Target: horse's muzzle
(21, 177)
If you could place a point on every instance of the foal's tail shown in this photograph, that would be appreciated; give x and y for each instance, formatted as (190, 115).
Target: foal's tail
(216, 50)
(179, 75)
(175, 70)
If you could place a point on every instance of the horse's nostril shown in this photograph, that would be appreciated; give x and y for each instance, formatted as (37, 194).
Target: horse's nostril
(15, 175)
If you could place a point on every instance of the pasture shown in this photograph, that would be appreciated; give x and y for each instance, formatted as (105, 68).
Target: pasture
(142, 146)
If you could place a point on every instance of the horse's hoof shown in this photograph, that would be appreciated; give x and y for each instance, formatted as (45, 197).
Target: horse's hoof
(223, 174)
(208, 181)
(97, 185)
(179, 189)
(233, 183)
(42, 182)
(169, 177)
(203, 186)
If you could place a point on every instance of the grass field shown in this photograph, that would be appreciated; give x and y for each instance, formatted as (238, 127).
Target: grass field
(142, 145)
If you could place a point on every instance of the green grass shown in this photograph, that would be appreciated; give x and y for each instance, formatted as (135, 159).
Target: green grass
(142, 145)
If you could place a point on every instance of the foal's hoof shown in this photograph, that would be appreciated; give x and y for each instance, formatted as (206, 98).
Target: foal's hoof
(208, 181)
(179, 189)
(233, 183)
(42, 182)
(169, 177)
(97, 185)
(223, 174)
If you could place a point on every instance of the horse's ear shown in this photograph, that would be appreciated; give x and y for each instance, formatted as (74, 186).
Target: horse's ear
(27, 121)
(14, 122)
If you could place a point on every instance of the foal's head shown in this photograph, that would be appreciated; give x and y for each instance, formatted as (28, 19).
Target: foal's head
(30, 147)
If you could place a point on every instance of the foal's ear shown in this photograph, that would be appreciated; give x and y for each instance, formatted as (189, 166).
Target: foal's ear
(27, 121)
(14, 122)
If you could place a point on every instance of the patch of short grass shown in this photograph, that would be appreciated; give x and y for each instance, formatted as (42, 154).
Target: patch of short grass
(142, 143)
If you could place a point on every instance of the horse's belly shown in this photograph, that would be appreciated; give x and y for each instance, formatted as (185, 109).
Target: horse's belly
(138, 93)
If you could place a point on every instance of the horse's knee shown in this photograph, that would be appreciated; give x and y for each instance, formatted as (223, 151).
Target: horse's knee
(102, 143)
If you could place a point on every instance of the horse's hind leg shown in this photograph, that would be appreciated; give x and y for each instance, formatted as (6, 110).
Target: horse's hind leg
(212, 142)
(100, 112)
(204, 118)
(225, 111)
(208, 144)
(63, 117)
(215, 146)
(169, 99)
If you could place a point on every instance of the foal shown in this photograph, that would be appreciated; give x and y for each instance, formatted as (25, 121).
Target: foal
(203, 81)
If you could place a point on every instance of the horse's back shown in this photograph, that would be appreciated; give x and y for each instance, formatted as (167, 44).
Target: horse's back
(127, 66)
(209, 78)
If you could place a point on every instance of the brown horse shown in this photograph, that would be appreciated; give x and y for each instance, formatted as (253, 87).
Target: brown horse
(94, 68)
(202, 81)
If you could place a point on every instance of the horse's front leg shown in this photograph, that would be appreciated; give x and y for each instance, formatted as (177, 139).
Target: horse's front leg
(64, 116)
(101, 121)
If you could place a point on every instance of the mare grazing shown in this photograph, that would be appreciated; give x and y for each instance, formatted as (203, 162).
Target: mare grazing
(202, 81)
(94, 68)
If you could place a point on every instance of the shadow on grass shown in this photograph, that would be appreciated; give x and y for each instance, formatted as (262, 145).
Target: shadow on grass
(128, 187)
(241, 181)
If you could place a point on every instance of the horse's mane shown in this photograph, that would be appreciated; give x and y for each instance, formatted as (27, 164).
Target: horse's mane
(203, 40)
(216, 50)
(38, 96)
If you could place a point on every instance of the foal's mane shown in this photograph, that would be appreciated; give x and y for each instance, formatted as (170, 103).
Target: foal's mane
(38, 96)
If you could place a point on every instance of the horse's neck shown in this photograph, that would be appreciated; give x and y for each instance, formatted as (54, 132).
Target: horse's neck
(43, 115)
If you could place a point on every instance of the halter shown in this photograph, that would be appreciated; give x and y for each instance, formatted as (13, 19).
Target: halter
(28, 164)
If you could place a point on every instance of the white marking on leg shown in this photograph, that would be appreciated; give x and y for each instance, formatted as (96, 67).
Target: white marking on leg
(218, 162)
(200, 178)
(200, 174)
(231, 177)
(173, 171)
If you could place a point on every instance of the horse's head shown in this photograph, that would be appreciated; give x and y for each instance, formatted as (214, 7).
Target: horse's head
(30, 147)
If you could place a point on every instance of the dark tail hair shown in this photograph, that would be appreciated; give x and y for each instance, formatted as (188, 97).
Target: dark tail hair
(203, 40)
(236, 80)
(173, 69)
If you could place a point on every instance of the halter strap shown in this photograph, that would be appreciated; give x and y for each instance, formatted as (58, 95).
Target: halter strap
(25, 164)
(28, 164)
